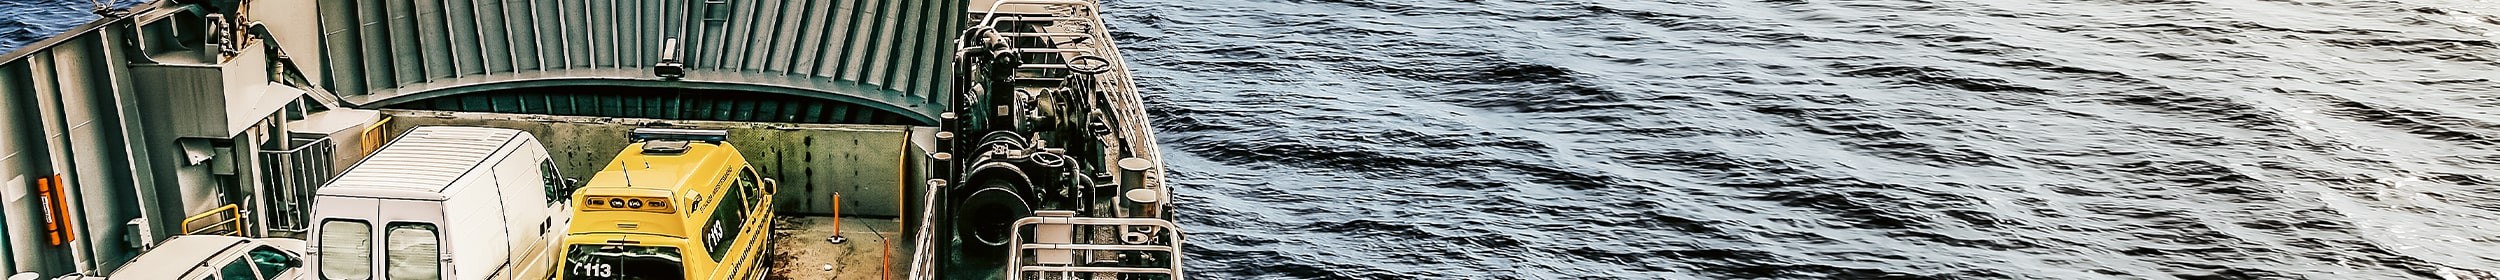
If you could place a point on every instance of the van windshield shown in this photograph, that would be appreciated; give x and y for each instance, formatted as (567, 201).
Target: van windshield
(623, 262)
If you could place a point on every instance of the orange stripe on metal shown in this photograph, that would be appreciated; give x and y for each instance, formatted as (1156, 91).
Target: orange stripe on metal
(43, 196)
(55, 205)
(60, 205)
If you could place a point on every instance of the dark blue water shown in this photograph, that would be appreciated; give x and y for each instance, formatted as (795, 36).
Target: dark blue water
(25, 22)
(1827, 139)
(1806, 139)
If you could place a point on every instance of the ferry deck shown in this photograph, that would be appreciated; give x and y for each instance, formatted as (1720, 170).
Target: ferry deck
(965, 139)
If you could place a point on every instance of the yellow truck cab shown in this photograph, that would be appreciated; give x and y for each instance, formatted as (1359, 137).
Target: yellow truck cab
(677, 204)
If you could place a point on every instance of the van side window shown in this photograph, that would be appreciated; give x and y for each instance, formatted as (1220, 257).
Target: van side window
(728, 218)
(346, 250)
(412, 250)
(555, 182)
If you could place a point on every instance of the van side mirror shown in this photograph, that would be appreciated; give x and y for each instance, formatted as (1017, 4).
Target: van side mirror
(571, 184)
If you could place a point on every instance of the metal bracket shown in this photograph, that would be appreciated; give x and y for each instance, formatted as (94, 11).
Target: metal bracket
(669, 68)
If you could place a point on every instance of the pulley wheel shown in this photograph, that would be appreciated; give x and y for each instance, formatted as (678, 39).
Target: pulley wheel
(985, 217)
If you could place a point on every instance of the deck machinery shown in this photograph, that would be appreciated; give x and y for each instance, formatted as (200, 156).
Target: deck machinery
(1052, 183)
(967, 139)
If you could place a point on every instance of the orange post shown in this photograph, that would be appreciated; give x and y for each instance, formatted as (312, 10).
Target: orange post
(885, 265)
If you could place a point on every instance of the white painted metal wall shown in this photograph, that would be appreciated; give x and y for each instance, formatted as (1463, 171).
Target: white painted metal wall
(138, 114)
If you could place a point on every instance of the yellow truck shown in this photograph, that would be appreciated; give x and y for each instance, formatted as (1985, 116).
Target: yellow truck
(676, 204)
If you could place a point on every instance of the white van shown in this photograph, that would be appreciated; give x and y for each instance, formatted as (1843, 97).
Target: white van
(465, 203)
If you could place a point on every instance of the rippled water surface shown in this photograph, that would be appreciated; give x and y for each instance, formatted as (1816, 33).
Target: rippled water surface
(1851, 139)
(24, 22)
(1848, 139)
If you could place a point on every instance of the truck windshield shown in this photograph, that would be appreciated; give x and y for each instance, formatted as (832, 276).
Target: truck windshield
(623, 262)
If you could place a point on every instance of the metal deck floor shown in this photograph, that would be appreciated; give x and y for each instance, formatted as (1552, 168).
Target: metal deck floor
(800, 250)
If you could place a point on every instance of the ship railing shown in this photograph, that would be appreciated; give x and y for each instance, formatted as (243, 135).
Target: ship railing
(224, 220)
(1056, 252)
(293, 174)
(996, 15)
(1052, 62)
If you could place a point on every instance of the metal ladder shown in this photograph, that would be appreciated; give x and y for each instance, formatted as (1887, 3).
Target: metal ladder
(1057, 253)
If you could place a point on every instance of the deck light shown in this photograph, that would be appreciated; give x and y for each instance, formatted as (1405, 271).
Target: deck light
(669, 68)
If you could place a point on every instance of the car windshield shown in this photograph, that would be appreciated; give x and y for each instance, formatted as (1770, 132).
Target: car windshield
(623, 262)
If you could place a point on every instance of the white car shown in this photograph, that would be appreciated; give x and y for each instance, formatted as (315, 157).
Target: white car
(217, 257)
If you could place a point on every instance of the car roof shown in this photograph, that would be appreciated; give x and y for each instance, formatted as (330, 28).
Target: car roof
(188, 251)
(635, 172)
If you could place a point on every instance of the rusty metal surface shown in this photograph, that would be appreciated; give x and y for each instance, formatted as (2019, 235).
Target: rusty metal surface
(873, 248)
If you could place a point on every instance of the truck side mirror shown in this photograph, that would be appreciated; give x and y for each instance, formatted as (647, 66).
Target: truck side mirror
(771, 186)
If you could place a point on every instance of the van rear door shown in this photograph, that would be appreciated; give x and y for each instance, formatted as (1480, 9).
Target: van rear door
(412, 241)
(342, 248)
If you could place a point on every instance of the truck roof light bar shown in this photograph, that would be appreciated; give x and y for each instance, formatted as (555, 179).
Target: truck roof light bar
(701, 135)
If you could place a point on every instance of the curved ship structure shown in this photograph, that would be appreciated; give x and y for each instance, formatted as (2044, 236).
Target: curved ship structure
(964, 139)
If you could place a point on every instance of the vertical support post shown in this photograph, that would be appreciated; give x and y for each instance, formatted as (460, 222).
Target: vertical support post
(53, 117)
(885, 265)
(837, 221)
(132, 143)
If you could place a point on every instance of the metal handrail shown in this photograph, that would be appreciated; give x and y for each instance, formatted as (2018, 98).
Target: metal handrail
(233, 212)
(294, 174)
(991, 20)
(375, 136)
(1017, 246)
